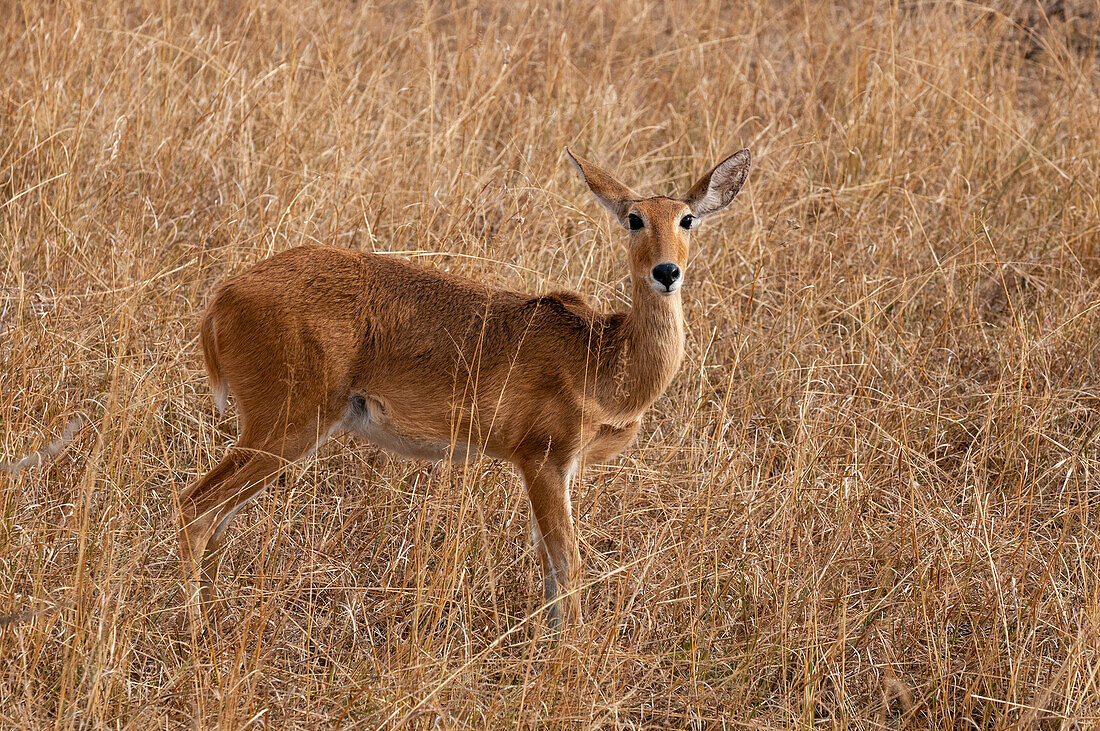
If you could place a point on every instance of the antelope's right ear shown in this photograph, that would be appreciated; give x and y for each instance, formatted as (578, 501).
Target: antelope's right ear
(612, 195)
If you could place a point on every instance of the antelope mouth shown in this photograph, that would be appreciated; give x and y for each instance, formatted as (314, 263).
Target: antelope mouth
(663, 290)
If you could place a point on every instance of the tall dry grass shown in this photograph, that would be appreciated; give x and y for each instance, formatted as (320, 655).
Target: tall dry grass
(870, 497)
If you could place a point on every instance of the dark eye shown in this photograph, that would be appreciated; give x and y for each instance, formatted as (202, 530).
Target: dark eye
(635, 222)
(686, 221)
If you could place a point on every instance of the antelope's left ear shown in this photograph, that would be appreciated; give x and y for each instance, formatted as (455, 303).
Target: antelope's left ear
(715, 190)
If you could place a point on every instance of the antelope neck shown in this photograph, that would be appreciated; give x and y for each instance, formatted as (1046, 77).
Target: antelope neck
(646, 352)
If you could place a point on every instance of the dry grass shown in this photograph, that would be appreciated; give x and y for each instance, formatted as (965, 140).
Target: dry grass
(869, 498)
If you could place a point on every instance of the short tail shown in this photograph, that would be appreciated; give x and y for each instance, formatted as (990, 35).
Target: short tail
(210, 358)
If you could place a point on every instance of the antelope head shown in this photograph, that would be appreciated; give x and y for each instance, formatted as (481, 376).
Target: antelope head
(659, 226)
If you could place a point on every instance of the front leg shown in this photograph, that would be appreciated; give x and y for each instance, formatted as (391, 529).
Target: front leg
(547, 481)
(609, 441)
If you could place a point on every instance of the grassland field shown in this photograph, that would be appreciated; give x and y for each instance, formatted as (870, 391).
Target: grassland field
(869, 499)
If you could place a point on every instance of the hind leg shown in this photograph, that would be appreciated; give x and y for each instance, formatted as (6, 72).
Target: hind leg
(207, 508)
(196, 530)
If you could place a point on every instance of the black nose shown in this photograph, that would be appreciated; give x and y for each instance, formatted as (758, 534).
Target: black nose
(666, 274)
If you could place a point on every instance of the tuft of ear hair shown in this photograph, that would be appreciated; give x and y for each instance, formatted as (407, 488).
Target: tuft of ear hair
(715, 190)
(612, 195)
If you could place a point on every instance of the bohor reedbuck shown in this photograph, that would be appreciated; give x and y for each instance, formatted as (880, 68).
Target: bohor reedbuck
(317, 340)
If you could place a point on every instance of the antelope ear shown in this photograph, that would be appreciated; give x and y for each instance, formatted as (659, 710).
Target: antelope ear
(715, 190)
(612, 195)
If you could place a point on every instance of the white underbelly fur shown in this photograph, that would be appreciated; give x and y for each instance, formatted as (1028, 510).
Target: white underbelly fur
(366, 418)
